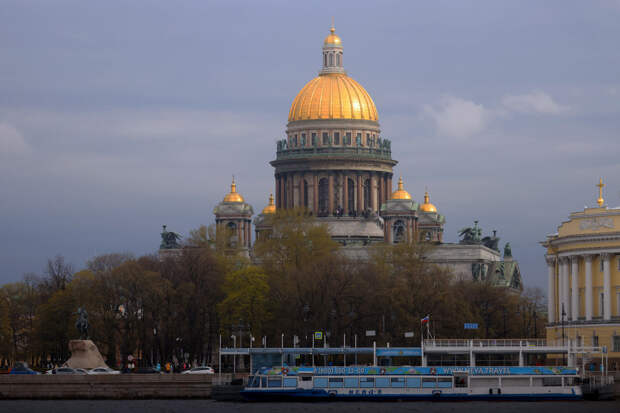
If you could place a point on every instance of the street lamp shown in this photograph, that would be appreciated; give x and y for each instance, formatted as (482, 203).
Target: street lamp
(234, 354)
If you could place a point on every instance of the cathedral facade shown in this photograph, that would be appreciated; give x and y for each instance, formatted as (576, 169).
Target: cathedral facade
(335, 163)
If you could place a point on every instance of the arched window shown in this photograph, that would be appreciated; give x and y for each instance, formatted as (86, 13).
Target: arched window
(323, 197)
(324, 59)
(367, 194)
(398, 231)
(231, 234)
(351, 196)
(338, 59)
(331, 59)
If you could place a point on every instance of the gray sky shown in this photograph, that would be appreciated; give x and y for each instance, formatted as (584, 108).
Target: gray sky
(119, 116)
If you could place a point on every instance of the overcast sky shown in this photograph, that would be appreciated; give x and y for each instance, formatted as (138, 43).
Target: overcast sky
(119, 116)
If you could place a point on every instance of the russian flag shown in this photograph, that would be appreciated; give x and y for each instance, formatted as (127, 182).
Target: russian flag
(425, 319)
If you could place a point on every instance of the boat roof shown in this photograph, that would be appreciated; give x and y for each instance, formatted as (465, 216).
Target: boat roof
(419, 371)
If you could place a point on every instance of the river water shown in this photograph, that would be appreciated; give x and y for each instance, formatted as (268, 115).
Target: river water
(202, 406)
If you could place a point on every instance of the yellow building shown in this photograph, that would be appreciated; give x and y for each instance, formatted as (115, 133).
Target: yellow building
(583, 262)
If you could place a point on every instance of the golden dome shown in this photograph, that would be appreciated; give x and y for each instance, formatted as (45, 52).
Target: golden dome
(271, 208)
(333, 96)
(332, 37)
(427, 206)
(233, 196)
(400, 193)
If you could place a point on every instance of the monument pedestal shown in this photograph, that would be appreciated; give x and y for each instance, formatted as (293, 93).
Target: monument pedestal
(84, 355)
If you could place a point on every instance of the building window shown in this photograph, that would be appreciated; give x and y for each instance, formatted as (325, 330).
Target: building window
(331, 59)
(338, 59)
(351, 196)
(325, 138)
(399, 232)
(601, 305)
(595, 341)
(602, 261)
(314, 139)
(618, 264)
(617, 303)
(347, 140)
(336, 138)
(323, 197)
(615, 344)
(303, 139)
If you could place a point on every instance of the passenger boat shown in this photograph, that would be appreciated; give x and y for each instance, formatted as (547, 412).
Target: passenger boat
(413, 383)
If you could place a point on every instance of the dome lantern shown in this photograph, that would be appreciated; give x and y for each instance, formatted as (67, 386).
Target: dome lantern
(332, 54)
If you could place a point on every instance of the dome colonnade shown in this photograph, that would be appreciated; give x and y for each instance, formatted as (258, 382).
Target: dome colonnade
(333, 160)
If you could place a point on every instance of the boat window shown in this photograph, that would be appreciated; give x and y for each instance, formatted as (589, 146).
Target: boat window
(290, 382)
(413, 382)
(552, 381)
(253, 381)
(569, 381)
(397, 381)
(382, 382)
(350, 382)
(320, 382)
(274, 382)
(444, 383)
(460, 381)
(428, 382)
(306, 378)
(367, 382)
(336, 382)
(263, 381)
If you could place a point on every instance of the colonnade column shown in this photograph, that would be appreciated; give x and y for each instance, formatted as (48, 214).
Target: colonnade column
(373, 192)
(315, 194)
(389, 187)
(360, 195)
(551, 289)
(330, 196)
(563, 278)
(345, 194)
(588, 294)
(606, 286)
(574, 285)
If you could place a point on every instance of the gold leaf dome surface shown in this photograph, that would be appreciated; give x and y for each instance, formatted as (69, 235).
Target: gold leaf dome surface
(427, 206)
(400, 193)
(333, 96)
(233, 195)
(271, 208)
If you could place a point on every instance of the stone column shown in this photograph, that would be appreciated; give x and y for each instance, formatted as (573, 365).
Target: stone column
(315, 193)
(360, 195)
(574, 285)
(345, 193)
(291, 191)
(373, 192)
(606, 286)
(330, 196)
(588, 290)
(389, 187)
(380, 182)
(566, 287)
(277, 191)
(296, 190)
(282, 191)
(551, 288)
(248, 226)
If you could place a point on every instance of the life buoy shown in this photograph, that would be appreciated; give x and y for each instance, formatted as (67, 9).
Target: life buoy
(285, 371)
(433, 371)
(382, 371)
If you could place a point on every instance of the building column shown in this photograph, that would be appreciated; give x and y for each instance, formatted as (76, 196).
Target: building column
(296, 190)
(373, 192)
(389, 186)
(574, 285)
(282, 191)
(330, 195)
(588, 291)
(563, 293)
(345, 193)
(380, 182)
(291, 191)
(606, 257)
(551, 288)
(360, 195)
(315, 193)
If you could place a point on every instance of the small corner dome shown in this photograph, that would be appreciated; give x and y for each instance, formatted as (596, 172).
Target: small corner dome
(400, 193)
(233, 195)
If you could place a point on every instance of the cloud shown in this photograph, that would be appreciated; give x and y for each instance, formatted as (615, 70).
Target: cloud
(11, 141)
(459, 118)
(534, 102)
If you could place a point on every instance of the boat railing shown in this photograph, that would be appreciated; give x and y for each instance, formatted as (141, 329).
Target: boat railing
(529, 342)
(591, 383)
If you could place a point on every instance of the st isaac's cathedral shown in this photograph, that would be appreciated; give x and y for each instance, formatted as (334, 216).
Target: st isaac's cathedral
(335, 163)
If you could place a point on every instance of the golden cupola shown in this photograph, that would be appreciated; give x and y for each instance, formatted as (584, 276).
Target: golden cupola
(400, 193)
(427, 206)
(233, 195)
(333, 94)
(271, 208)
